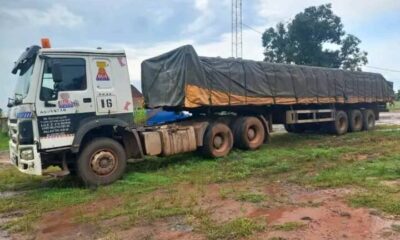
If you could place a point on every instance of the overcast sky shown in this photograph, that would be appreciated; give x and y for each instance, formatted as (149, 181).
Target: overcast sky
(148, 28)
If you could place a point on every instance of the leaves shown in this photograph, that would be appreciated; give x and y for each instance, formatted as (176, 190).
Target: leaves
(305, 40)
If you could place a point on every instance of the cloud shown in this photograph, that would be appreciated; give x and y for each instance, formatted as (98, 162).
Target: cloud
(252, 49)
(56, 15)
(210, 17)
(355, 10)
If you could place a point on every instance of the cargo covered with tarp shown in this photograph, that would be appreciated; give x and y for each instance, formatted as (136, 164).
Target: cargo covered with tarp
(182, 79)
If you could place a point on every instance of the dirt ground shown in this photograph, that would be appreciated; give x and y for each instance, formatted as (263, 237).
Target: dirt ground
(321, 214)
(317, 214)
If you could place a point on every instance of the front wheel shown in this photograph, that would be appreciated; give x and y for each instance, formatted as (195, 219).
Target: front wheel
(102, 161)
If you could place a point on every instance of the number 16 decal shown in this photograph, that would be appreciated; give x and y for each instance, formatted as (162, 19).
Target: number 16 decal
(106, 104)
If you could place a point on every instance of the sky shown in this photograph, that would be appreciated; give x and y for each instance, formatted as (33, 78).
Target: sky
(146, 29)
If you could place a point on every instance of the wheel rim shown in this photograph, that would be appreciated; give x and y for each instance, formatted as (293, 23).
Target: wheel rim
(358, 121)
(251, 133)
(370, 121)
(342, 123)
(218, 141)
(103, 162)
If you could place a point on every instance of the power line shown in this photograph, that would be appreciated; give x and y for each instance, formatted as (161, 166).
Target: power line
(383, 69)
(372, 67)
(251, 28)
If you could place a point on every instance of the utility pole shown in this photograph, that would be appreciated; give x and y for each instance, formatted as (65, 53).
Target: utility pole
(236, 31)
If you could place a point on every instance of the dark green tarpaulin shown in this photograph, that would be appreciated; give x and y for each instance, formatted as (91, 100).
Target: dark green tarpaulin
(180, 78)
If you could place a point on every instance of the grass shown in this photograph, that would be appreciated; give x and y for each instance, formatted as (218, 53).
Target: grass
(251, 197)
(150, 189)
(395, 107)
(139, 116)
(289, 226)
(235, 229)
(3, 141)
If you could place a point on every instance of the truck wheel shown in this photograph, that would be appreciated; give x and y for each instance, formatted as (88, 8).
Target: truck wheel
(102, 161)
(218, 140)
(249, 133)
(355, 120)
(341, 124)
(368, 120)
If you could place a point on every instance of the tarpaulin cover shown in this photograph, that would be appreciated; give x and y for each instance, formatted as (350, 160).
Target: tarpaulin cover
(180, 78)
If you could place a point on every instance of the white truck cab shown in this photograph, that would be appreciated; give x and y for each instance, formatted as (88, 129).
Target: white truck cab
(60, 96)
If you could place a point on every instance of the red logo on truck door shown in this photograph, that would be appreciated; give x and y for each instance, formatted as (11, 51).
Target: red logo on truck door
(102, 73)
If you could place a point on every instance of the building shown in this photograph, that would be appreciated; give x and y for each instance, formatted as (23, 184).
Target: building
(137, 97)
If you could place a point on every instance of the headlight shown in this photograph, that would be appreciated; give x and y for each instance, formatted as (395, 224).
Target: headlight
(27, 154)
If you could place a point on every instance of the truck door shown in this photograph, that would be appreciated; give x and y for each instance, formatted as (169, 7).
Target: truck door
(103, 79)
(63, 105)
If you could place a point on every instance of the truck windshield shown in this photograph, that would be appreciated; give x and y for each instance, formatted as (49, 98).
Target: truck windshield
(23, 81)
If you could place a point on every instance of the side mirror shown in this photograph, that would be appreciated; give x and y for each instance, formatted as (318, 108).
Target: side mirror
(56, 72)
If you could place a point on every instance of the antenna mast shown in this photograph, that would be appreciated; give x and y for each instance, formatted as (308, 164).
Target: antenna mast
(237, 40)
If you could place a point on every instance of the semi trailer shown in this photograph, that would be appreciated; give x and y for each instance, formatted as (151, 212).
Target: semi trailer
(73, 108)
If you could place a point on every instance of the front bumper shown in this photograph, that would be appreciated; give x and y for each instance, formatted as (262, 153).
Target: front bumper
(32, 166)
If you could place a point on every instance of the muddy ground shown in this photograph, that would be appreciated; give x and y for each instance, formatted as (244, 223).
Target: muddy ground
(315, 214)
(289, 212)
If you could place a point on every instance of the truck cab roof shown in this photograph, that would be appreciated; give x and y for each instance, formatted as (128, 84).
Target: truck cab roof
(82, 51)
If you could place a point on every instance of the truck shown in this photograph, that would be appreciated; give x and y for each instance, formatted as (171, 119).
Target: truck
(73, 108)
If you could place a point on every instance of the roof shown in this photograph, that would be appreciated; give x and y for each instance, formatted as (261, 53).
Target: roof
(85, 51)
(135, 92)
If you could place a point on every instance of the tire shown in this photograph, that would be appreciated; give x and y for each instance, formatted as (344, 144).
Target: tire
(368, 120)
(217, 141)
(249, 133)
(101, 162)
(341, 123)
(355, 120)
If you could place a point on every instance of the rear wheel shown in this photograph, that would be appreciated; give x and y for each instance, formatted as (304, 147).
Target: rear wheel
(355, 120)
(217, 141)
(341, 124)
(249, 133)
(368, 120)
(102, 161)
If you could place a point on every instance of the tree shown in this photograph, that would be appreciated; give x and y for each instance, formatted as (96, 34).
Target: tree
(398, 95)
(314, 37)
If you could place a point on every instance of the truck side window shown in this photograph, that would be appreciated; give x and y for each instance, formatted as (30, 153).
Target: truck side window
(73, 71)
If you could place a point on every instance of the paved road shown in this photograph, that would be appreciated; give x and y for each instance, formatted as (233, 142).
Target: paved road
(389, 118)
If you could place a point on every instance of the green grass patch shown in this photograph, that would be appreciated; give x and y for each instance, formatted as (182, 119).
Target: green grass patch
(250, 197)
(139, 116)
(236, 229)
(289, 226)
(3, 141)
(395, 107)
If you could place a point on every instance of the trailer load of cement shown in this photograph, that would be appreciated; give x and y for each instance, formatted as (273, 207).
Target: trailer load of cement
(182, 79)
